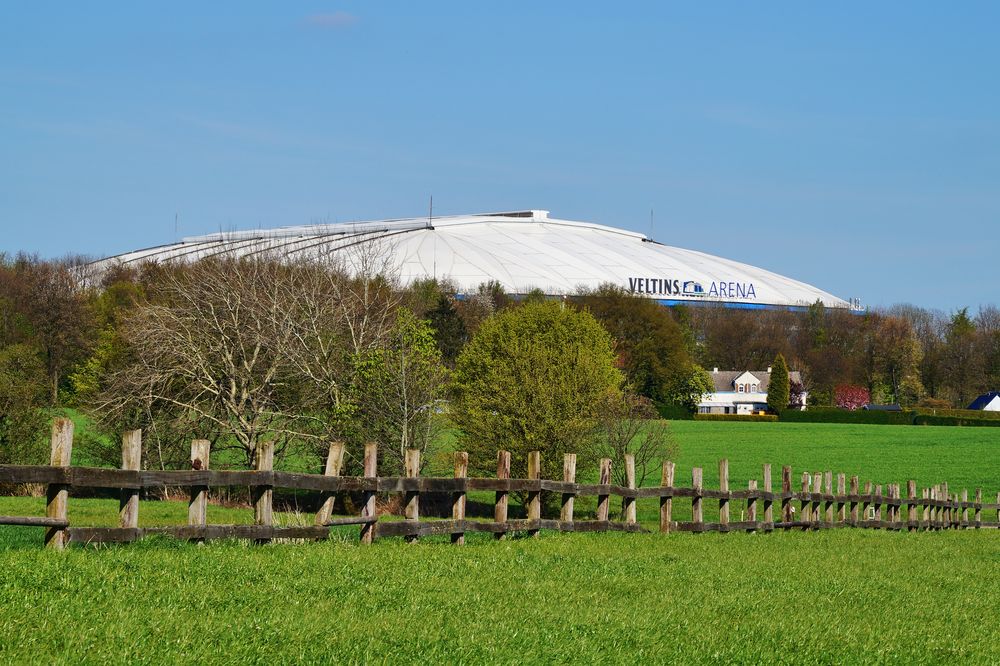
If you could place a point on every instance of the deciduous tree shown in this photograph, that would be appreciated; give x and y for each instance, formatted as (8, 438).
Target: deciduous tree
(534, 377)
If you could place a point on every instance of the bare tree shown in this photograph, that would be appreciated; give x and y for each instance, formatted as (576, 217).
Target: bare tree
(629, 424)
(237, 349)
(209, 352)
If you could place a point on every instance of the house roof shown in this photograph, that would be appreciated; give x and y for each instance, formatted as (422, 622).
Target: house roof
(984, 399)
(724, 379)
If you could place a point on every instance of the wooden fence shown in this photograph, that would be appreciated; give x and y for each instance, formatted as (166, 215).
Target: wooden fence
(817, 505)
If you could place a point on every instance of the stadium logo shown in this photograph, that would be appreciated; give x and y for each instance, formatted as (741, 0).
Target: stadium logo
(692, 289)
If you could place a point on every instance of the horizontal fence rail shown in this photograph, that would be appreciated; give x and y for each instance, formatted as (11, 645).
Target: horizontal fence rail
(817, 505)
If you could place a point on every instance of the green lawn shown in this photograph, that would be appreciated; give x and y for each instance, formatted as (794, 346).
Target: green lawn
(832, 597)
(843, 596)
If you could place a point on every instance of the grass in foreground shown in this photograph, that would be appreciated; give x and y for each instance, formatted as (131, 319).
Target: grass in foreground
(830, 597)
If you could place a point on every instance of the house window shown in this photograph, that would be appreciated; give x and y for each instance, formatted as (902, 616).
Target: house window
(755, 387)
(739, 388)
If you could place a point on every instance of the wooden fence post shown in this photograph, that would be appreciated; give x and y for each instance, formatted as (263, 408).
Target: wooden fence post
(828, 491)
(786, 500)
(263, 508)
(854, 501)
(965, 507)
(534, 496)
(892, 506)
(696, 513)
(604, 499)
(458, 499)
(724, 487)
(934, 508)
(925, 496)
(947, 505)
(630, 482)
(569, 476)
(57, 494)
(817, 503)
(128, 503)
(500, 507)
(978, 515)
(805, 514)
(897, 512)
(866, 502)
(370, 471)
(411, 511)
(841, 491)
(878, 505)
(768, 502)
(911, 509)
(333, 468)
(198, 502)
(752, 502)
(667, 503)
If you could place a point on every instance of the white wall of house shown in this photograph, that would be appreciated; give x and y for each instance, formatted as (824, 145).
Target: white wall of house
(993, 405)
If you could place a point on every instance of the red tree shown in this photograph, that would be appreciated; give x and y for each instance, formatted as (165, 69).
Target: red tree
(847, 396)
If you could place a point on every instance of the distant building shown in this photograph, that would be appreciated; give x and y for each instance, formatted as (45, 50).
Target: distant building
(521, 250)
(988, 402)
(882, 408)
(741, 391)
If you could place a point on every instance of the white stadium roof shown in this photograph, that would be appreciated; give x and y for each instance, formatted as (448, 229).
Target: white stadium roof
(522, 250)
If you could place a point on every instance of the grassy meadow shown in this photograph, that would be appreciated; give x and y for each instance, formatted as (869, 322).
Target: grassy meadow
(843, 596)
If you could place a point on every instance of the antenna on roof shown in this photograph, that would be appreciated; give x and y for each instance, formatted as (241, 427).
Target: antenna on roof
(430, 214)
(650, 224)
(175, 228)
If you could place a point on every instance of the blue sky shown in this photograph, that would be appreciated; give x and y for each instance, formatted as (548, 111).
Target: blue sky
(854, 146)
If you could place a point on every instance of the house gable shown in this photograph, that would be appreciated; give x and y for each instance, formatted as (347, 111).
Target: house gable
(747, 383)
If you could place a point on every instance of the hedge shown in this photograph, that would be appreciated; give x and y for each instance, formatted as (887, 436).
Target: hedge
(834, 415)
(673, 412)
(735, 417)
(929, 419)
(960, 413)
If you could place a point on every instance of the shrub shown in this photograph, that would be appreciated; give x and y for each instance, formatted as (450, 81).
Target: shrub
(534, 378)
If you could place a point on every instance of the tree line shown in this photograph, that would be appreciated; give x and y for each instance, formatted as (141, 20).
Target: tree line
(236, 349)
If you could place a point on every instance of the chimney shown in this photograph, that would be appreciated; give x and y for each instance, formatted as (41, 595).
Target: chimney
(768, 369)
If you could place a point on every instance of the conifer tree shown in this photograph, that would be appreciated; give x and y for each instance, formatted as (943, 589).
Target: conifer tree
(778, 388)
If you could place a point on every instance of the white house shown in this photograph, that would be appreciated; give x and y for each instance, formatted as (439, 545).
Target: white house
(741, 391)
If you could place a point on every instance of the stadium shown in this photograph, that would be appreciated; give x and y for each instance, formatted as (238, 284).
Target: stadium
(523, 251)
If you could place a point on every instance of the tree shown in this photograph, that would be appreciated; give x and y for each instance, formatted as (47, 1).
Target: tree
(796, 394)
(534, 377)
(650, 344)
(897, 359)
(687, 391)
(22, 396)
(399, 385)
(54, 305)
(208, 354)
(963, 368)
(851, 397)
(629, 425)
(778, 390)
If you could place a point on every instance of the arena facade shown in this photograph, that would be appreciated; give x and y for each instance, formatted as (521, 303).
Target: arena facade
(523, 251)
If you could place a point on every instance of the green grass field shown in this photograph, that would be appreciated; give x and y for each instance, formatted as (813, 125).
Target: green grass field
(843, 596)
